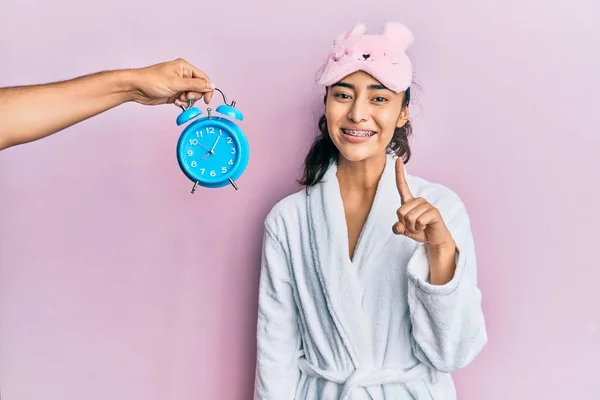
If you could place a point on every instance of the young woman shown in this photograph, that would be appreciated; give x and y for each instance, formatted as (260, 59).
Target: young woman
(368, 285)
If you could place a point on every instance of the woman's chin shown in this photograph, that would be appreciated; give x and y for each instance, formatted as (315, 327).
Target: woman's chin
(371, 148)
(359, 153)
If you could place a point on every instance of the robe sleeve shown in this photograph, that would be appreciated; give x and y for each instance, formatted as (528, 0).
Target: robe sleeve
(448, 325)
(278, 339)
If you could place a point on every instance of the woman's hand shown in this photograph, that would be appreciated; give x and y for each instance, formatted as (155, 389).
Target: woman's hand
(421, 221)
(418, 219)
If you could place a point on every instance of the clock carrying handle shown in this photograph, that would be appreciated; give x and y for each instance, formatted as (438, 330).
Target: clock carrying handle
(217, 89)
(225, 99)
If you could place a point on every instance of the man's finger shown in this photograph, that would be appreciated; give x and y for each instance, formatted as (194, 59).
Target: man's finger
(195, 96)
(196, 73)
(198, 85)
(208, 96)
(403, 189)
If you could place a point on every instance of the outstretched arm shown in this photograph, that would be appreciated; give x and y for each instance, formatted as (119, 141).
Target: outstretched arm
(32, 112)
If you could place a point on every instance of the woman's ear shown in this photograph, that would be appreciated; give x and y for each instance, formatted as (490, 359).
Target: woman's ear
(403, 118)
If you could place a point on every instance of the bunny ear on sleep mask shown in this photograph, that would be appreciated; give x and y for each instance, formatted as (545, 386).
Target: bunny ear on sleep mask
(383, 56)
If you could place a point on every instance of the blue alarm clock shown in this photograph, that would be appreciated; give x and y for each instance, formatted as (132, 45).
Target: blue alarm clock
(212, 151)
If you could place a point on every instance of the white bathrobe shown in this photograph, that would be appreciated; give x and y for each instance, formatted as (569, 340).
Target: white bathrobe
(368, 328)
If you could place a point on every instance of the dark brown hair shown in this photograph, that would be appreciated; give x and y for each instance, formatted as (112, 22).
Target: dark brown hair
(323, 151)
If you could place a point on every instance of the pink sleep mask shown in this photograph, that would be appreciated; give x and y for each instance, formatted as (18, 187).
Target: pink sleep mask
(382, 56)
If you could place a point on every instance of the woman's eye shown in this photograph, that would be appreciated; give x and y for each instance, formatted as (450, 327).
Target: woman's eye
(380, 99)
(342, 96)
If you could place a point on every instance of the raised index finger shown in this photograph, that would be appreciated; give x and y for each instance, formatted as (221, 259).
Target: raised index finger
(401, 183)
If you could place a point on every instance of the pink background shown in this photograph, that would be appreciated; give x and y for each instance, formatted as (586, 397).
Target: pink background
(117, 283)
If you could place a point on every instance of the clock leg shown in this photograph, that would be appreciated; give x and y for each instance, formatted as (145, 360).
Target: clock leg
(194, 188)
(233, 184)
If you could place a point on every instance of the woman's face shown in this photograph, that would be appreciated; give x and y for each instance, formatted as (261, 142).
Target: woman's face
(362, 115)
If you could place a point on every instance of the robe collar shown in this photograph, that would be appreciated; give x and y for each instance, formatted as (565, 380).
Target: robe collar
(342, 279)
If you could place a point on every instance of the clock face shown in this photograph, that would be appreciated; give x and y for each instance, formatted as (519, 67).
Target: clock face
(209, 152)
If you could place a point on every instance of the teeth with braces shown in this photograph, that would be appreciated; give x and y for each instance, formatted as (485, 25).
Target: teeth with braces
(358, 133)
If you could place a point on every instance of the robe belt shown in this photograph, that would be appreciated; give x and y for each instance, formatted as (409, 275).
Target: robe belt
(363, 377)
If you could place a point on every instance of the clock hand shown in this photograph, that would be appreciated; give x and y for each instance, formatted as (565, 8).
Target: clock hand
(201, 145)
(215, 145)
(211, 151)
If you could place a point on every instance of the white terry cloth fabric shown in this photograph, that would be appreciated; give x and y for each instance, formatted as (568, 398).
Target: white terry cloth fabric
(369, 328)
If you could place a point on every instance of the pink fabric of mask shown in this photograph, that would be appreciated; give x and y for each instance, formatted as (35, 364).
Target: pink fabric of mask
(383, 56)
